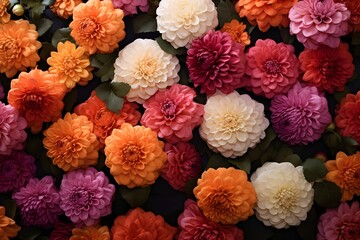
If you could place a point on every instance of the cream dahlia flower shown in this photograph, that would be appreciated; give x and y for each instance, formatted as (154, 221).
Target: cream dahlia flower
(146, 68)
(181, 21)
(233, 123)
(284, 196)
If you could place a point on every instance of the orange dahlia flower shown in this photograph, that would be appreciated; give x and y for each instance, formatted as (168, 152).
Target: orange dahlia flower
(105, 120)
(4, 15)
(70, 64)
(344, 171)
(8, 228)
(18, 47)
(225, 195)
(97, 26)
(134, 155)
(90, 233)
(354, 7)
(237, 32)
(64, 8)
(138, 224)
(265, 13)
(71, 143)
(38, 97)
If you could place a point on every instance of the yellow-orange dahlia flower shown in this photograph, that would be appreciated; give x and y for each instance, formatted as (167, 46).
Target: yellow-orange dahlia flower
(237, 32)
(134, 155)
(18, 47)
(97, 26)
(8, 228)
(64, 8)
(71, 143)
(225, 195)
(265, 13)
(4, 15)
(71, 64)
(91, 233)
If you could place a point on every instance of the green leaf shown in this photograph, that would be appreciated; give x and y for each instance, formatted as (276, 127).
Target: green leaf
(216, 161)
(106, 72)
(29, 233)
(167, 47)
(355, 40)
(43, 25)
(36, 11)
(255, 153)
(327, 194)
(332, 140)
(30, 3)
(314, 170)
(286, 36)
(135, 197)
(62, 35)
(294, 159)
(114, 103)
(308, 228)
(45, 51)
(340, 95)
(101, 161)
(144, 23)
(10, 207)
(103, 91)
(226, 12)
(48, 2)
(70, 99)
(120, 88)
(283, 152)
(244, 164)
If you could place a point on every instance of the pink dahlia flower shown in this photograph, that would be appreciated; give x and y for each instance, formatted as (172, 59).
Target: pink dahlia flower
(215, 61)
(183, 164)
(16, 170)
(194, 225)
(130, 6)
(2, 94)
(271, 68)
(301, 115)
(172, 113)
(12, 129)
(62, 231)
(86, 196)
(342, 223)
(319, 22)
(39, 202)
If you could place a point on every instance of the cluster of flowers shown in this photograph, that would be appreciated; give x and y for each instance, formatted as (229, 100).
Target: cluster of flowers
(141, 145)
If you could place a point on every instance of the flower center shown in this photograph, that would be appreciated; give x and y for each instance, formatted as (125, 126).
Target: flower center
(82, 198)
(8, 49)
(231, 122)
(349, 230)
(90, 28)
(327, 69)
(272, 66)
(285, 198)
(132, 154)
(69, 63)
(68, 145)
(32, 101)
(168, 108)
(147, 67)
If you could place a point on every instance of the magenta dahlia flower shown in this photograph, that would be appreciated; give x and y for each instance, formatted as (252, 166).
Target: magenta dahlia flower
(172, 113)
(319, 22)
(271, 68)
(12, 129)
(183, 164)
(130, 6)
(16, 170)
(301, 115)
(194, 225)
(215, 61)
(342, 223)
(39, 202)
(62, 231)
(86, 196)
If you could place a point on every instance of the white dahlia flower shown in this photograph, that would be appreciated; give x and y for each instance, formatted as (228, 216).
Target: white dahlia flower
(181, 21)
(233, 123)
(284, 195)
(146, 68)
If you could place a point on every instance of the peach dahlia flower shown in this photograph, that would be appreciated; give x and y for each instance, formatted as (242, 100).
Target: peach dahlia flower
(4, 15)
(64, 8)
(8, 227)
(18, 47)
(97, 26)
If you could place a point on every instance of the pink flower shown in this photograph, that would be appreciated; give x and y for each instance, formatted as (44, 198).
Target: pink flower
(16, 170)
(39, 202)
(342, 223)
(215, 61)
(271, 68)
(194, 225)
(62, 231)
(12, 129)
(301, 115)
(130, 6)
(2, 94)
(317, 22)
(183, 164)
(86, 196)
(172, 113)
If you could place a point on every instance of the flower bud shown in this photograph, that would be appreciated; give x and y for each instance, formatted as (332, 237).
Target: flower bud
(18, 10)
